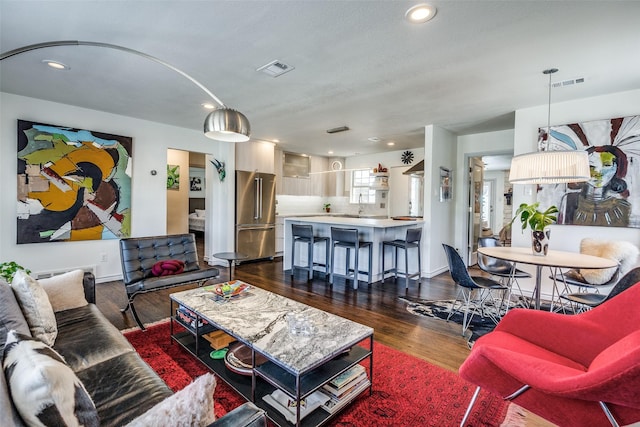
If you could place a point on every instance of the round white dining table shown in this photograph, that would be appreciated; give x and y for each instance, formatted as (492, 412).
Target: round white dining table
(557, 259)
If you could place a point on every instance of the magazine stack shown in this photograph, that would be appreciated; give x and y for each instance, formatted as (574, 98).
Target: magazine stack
(342, 389)
(188, 317)
(287, 406)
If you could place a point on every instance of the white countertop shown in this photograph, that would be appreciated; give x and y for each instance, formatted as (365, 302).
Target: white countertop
(356, 222)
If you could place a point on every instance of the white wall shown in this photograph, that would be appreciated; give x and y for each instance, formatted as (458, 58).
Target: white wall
(498, 207)
(150, 143)
(525, 140)
(440, 148)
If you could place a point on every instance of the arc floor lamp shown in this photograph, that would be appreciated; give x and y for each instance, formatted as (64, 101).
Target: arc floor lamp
(222, 124)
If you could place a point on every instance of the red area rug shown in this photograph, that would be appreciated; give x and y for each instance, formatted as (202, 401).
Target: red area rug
(407, 391)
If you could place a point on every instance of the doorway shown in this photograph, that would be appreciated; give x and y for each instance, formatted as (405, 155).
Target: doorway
(186, 196)
(489, 198)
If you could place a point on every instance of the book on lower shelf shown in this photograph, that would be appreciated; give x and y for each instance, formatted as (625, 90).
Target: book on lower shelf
(346, 377)
(335, 404)
(188, 317)
(284, 404)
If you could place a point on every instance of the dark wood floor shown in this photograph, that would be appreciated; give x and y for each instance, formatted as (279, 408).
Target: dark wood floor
(377, 305)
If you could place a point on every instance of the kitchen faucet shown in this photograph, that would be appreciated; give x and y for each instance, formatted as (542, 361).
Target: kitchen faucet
(360, 205)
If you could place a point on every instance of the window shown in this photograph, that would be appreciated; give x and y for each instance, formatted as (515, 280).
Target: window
(361, 182)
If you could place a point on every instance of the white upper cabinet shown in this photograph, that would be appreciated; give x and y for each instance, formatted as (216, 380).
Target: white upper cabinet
(255, 156)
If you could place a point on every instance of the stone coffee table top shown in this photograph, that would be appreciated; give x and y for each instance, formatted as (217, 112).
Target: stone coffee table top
(294, 335)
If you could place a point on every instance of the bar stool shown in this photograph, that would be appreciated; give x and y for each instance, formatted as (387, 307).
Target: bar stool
(411, 240)
(348, 239)
(304, 234)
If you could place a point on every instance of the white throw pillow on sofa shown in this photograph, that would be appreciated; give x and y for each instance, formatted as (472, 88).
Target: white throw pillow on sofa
(191, 406)
(65, 291)
(44, 389)
(36, 307)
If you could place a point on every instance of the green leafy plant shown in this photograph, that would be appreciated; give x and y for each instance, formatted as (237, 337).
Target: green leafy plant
(535, 219)
(327, 207)
(9, 269)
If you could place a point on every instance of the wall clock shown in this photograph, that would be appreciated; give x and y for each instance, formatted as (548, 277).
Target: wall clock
(407, 157)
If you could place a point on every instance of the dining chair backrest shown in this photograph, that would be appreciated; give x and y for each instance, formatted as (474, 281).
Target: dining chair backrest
(627, 281)
(345, 235)
(304, 231)
(414, 235)
(487, 263)
(457, 269)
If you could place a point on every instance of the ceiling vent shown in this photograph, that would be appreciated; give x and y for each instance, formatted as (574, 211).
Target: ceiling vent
(338, 129)
(569, 82)
(276, 68)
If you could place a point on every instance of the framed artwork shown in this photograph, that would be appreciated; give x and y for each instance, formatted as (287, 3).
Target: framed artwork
(73, 184)
(446, 190)
(611, 198)
(196, 182)
(173, 177)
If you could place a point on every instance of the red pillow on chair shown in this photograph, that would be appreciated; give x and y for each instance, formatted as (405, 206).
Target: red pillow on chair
(167, 267)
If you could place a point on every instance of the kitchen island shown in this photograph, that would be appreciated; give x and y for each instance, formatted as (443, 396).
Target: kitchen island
(369, 229)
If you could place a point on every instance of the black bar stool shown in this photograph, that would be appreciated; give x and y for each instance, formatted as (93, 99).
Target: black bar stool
(412, 240)
(348, 239)
(304, 234)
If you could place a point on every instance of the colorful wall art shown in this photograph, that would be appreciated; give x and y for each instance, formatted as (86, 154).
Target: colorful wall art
(173, 177)
(73, 184)
(611, 198)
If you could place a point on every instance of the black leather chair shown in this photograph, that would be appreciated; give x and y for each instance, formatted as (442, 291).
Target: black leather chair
(506, 271)
(304, 234)
(348, 239)
(411, 240)
(592, 299)
(483, 285)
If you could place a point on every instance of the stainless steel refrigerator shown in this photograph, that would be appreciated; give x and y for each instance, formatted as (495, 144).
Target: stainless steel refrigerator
(256, 214)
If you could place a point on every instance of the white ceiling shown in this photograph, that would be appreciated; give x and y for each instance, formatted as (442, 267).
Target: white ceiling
(357, 63)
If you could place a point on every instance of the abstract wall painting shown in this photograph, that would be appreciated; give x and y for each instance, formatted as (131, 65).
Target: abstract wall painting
(73, 184)
(611, 198)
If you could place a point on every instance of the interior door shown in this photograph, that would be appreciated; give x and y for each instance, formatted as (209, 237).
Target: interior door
(476, 172)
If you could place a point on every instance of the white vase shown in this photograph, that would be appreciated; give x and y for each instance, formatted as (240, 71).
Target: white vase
(540, 241)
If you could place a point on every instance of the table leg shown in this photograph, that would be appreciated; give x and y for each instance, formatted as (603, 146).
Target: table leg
(230, 270)
(538, 286)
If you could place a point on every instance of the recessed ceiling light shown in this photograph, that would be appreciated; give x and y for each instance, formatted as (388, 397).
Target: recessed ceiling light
(275, 140)
(329, 152)
(390, 143)
(56, 64)
(420, 13)
(208, 105)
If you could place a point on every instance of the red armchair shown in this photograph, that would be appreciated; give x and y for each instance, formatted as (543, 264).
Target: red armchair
(580, 370)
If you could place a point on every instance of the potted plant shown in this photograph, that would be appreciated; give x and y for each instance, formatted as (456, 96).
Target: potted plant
(8, 269)
(538, 221)
(327, 207)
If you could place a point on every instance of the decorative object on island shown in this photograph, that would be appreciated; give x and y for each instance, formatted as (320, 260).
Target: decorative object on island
(223, 123)
(539, 222)
(550, 165)
(73, 184)
(327, 207)
(222, 173)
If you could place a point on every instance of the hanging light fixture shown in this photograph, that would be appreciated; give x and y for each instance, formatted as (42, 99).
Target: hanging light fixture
(222, 124)
(549, 166)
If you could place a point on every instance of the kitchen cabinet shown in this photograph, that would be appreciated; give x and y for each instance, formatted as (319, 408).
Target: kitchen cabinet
(255, 156)
(313, 185)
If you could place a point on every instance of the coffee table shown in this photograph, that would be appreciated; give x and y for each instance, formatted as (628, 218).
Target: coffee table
(299, 362)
